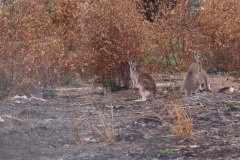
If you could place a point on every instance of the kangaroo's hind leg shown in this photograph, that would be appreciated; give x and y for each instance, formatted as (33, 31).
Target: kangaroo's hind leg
(209, 88)
(143, 93)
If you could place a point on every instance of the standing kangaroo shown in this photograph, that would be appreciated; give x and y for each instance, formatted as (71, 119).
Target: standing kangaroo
(191, 81)
(204, 81)
(133, 74)
(143, 81)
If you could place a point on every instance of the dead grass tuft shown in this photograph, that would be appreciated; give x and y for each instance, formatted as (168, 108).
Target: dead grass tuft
(75, 130)
(182, 121)
(107, 132)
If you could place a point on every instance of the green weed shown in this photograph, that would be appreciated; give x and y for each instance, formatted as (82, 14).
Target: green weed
(33, 151)
(67, 80)
(230, 104)
(168, 151)
(111, 86)
(50, 95)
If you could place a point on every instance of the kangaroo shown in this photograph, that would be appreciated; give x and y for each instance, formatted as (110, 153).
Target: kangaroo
(143, 81)
(191, 81)
(133, 75)
(204, 81)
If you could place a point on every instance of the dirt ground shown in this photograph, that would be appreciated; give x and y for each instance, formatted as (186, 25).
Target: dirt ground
(60, 128)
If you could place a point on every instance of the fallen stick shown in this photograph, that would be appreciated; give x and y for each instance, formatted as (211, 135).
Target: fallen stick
(9, 116)
(40, 99)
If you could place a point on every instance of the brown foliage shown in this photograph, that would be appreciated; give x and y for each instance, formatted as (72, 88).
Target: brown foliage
(23, 25)
(220, 22)
(44, 39)
(174, 34)
(116, 33)
(33, 47)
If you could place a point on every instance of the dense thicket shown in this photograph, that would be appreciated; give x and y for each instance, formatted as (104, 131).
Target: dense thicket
(43, 40)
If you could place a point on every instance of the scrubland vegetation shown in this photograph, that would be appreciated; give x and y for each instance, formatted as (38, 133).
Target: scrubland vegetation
(63, 50)
(45, 40)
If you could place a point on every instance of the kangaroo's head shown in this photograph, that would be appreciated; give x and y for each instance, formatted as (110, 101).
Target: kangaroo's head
(197, 58)
(133, 66)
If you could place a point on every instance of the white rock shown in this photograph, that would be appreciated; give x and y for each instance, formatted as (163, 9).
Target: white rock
(18, 102)
(89, 139)
(231, 89)
(20, 97)
(194, 146)
(1, 120)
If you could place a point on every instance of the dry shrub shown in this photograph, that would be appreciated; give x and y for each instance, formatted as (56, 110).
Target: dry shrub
(35, 45)
(75, 130)
(116, 34)
(108, 131)
(208, 27)
(69, 24)
(219, 23)
(182, 121)
(27, 50)
(44, 40)
(174, 34)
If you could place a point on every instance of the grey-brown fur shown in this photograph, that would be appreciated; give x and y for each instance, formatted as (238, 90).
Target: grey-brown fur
(204, 81)
(191, 81)
(133, 75)
(143, 81)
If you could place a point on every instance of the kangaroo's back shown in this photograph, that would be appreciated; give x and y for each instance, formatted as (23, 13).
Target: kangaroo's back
(148, 82)
(204, 81)
(191, 81)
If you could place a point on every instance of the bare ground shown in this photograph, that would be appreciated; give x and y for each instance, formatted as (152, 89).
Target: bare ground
(34, 129)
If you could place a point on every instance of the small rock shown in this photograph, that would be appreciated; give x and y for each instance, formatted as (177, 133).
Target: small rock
(231, 89)
(143, 124)
(89, 139)
(119, 106)
(20, 97)
(1, 120)
(194, 146)
(18, 102)
(117, 124)
(66, 146)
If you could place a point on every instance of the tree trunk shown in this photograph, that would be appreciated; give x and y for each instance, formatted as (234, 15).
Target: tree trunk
(124, 75)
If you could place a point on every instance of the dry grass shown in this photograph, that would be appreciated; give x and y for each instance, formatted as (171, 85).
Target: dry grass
(182, 122)
(75, 130)
(107, 132)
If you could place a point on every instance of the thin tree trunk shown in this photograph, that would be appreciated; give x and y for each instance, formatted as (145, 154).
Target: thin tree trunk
(124, 75)
(126, 79)
(167, 60)
(174, 56)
